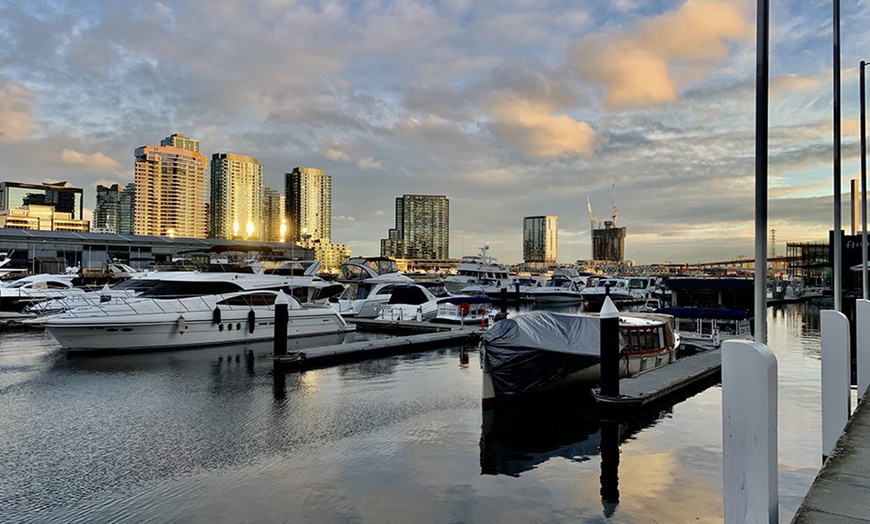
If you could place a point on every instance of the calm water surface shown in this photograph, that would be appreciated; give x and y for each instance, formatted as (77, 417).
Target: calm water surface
(214, 435)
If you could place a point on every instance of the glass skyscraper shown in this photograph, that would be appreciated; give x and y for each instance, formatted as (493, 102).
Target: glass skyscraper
(61, 196)
(107, 212)
(540, 240)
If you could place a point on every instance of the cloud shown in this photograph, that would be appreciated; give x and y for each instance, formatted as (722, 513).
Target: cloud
(16, 112)
(334, 150)
(646, 65)
(95, 161)
(533, 129)
(368, 163)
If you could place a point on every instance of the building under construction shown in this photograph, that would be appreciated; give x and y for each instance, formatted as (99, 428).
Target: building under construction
(608, 242)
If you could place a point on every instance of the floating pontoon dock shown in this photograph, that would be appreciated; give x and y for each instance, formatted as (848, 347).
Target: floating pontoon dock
(681, 378)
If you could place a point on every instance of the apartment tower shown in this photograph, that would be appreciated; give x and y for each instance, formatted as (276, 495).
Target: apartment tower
(274, 219)
(308, 194)
(108, 209)
(422, 228)
(170, 195)
(236, 209)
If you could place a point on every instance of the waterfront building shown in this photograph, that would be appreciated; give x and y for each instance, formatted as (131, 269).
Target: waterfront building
(422, 228)
(60, 195)
(107, 212)
(127, 209)
(274, 219)
(37, 217)
(330, 255)
(170, 198)
(540, 241)
(308, 197)
(608, 243)
(236, 209)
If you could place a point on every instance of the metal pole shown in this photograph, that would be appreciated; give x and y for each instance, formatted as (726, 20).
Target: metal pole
(863, 190)
(282, 316)
(838, 238)
(761, 124)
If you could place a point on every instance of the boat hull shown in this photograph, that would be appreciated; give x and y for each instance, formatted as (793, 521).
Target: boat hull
(180, 330)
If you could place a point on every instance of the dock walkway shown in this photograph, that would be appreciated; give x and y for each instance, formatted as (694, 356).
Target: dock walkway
(842, 488)
(322, 356)
(681, 378)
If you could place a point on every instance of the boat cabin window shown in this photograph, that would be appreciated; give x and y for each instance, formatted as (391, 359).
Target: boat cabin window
(385, 290)
(408, 295)
(644, 338)
(253, 299)
(179, 289)
(136, 284)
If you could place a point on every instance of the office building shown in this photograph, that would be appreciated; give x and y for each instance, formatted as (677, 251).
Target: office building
(60, 195)
(274, 220)
(127, 209)
(170, 199)
(308, 194)
(236, 209)
(107, 212)
(540, 241)
(422, 228)
(41, 218)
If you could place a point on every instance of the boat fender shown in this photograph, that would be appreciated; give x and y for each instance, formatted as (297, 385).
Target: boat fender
(252, 320)
(182, 325)
(419, 316)
(216, 315)
(464, 308)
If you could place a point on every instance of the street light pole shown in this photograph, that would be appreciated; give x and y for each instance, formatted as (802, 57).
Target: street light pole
(863, 190)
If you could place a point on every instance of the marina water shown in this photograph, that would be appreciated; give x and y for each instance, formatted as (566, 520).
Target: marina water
(215, 435)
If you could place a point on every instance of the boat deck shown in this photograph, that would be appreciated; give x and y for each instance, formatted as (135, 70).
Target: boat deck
(681, 378)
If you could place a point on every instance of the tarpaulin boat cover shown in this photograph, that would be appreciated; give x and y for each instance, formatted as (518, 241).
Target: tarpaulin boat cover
(534, 349)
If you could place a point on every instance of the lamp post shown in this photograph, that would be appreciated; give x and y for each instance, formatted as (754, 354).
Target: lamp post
(863, 191)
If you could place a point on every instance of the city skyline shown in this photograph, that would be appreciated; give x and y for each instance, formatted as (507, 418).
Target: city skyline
(510, 111)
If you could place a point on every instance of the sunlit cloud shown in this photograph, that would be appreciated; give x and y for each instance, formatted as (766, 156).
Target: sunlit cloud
(368, 163)
(16, 112)
(94, 162)
(646, 65)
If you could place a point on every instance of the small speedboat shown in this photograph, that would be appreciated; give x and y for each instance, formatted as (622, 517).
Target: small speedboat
(18, 296)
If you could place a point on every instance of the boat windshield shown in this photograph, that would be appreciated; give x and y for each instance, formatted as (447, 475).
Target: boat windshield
(177, 289)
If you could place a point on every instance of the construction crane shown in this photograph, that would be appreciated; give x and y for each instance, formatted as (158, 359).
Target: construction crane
(592, 221)
(613, 203)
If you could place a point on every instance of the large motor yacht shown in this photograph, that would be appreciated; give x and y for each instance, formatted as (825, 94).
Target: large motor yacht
(472, 269)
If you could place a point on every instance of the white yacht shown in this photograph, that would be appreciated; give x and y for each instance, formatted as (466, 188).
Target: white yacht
(368, 282)
(595, 292)
(472, 269)
(18, 296)
(194, 309)
(558, 290)
(517, 289)
(420, 301)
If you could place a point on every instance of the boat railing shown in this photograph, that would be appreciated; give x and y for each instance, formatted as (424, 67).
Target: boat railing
(140, 306)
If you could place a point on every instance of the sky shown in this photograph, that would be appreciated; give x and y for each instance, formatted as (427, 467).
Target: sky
(510, 109)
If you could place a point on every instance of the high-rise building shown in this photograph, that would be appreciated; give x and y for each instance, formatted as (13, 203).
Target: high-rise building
(308, 195)
(236, 209)
(608, 243)
(127, 209)
(107, 212)
(181, 142)
(540, 240)
(170, 189)
(274, 219)
(41, 218)
(60, 195)
(422, 228)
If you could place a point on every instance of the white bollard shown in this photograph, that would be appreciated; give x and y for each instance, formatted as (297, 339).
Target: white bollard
(836, 400)
(862, 343)
(749, 432)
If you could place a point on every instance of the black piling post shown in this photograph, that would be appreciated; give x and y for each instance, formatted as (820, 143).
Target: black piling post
(502, 314)
(609, 349)
(282, 317)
